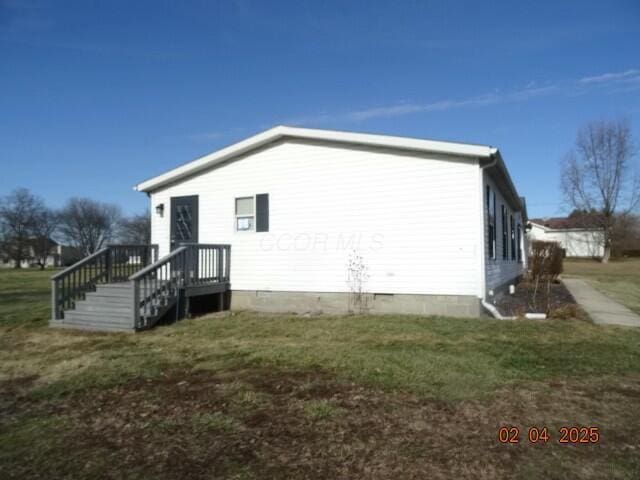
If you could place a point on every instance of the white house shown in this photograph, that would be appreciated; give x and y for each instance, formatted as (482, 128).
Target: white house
(437, 224)
(577, 237)
(59, 256)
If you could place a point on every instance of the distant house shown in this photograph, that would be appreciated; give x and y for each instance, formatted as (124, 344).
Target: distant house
(59, 256)
(579, 236)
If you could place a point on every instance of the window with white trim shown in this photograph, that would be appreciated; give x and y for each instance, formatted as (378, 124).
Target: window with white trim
(513, 239)
(519, 243)
(491, 216)
(245, 214)
(505, 243)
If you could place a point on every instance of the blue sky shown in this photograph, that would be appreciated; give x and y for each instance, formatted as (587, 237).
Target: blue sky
(97, 96)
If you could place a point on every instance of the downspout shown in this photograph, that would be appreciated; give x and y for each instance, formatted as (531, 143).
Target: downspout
(494, 311)
(493, 156)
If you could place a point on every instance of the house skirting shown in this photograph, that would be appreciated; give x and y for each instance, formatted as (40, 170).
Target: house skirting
(341, 303)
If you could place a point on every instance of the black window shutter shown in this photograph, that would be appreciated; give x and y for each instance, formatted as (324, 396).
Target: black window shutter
(262, 212)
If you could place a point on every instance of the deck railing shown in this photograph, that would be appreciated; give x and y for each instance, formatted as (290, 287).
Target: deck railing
(113, 263)
(209, 263)
(157, 286)
(128, 259)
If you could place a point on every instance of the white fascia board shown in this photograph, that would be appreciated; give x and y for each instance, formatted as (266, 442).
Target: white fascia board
(274, 134)
(211, 159)
(403, 143)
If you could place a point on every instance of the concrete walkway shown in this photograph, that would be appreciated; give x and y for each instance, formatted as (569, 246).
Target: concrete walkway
(600, 308)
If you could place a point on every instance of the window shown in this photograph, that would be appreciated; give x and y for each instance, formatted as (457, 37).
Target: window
(491, 216)
(513, 239)
(245, 214)
(505, 242)
(252, 213)
(519, 243)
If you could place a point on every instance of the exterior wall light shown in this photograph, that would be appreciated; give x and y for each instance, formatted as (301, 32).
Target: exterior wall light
(160, 209)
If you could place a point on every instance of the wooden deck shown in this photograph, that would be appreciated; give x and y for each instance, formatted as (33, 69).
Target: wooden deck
(102, 293)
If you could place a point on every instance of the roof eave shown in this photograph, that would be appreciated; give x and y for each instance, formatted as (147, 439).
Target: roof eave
(571, 229)
(499, 164)
(204, 162)
(278, 132)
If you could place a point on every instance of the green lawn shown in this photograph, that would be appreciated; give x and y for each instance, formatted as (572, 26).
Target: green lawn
(25, 297)
(278, 396)
(620, 279)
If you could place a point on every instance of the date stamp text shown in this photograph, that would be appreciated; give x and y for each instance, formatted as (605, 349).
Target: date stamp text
(572, 435)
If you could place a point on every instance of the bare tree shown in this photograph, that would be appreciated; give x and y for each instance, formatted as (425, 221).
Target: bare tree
(45, 227)
(89, 225)
(136, 229)
(597, 175)
(18, 217)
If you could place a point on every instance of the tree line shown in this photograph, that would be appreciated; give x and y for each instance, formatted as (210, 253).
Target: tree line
(28, 226)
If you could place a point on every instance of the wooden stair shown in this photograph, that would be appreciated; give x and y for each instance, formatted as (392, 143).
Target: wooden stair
(110, 308)
(107, 291)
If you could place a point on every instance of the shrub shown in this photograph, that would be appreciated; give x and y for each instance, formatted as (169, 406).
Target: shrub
(546, 260)
(556, 262)
(545, 265)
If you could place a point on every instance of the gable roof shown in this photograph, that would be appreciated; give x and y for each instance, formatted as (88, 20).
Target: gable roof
(464, 150)
(578, 222)
(469, 151)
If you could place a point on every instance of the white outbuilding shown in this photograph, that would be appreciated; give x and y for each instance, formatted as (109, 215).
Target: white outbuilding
(578, 237)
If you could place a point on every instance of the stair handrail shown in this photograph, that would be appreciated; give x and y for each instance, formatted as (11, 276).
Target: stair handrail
(189, 265)
(74, 282)
(163, 277)
(154, 266)
(79, 263)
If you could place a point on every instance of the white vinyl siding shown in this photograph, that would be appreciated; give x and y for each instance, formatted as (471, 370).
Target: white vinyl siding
(411, 216)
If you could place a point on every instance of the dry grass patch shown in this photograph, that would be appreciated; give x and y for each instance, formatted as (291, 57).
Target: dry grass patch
(185, 424)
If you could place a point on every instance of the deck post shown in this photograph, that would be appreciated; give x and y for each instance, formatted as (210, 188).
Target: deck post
(55, 315)
(228, 272)
(136, 304)
(220, 266)
(108, 265)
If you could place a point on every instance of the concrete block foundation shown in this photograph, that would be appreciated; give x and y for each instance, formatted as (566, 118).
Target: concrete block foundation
(339, 303)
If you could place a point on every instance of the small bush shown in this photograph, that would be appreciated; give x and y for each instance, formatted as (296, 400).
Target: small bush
(545, 264)
(556, 262)
(546, 260)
